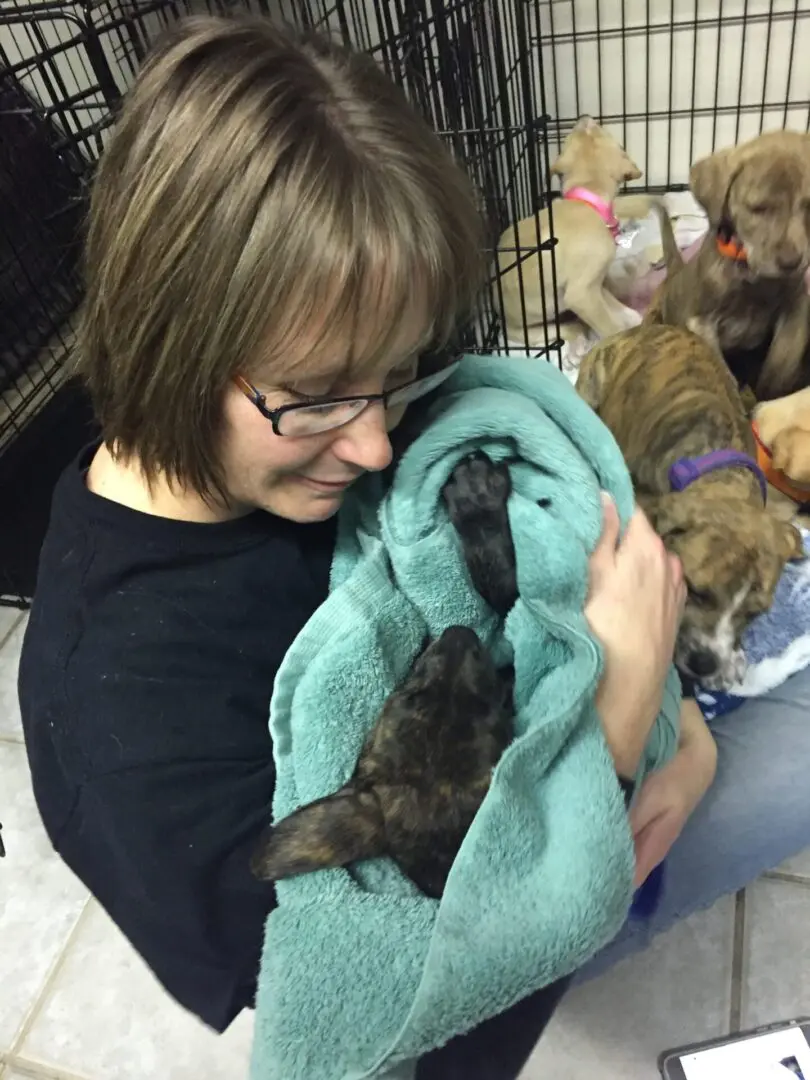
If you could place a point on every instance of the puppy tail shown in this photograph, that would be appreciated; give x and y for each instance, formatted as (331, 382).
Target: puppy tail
(340, 829)
(672, 254)
(630, 207)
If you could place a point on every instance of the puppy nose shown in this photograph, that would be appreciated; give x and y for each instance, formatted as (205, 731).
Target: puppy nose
(701, 662)
(788, 260)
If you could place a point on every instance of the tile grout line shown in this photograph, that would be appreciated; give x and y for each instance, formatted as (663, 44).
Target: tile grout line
(28, 1067)
(24, 1030)
(7, 636)
(784, 875)
(737, 963)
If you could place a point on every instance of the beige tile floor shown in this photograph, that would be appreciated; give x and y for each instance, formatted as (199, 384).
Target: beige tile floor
(76, 1003)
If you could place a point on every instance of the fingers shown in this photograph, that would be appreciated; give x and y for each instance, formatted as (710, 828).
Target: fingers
(604, 554)
(640, 532)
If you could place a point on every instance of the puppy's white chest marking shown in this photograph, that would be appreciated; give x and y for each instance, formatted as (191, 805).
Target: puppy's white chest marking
(731, 661)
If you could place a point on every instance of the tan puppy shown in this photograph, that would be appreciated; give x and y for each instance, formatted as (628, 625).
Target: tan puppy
(667, 395)
(745, 290)
(784, 427)
(585, 248)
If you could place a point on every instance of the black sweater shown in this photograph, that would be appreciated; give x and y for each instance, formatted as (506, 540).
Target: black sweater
(145, 684)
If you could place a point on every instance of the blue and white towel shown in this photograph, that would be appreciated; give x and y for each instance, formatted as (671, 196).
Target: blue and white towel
(776, 644)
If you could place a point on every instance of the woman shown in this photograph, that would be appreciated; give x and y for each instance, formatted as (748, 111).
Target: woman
(271, 227)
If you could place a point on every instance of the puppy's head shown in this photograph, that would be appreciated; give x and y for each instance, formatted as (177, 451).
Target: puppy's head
(455, 675)
(733, 556)
(589, 148)
(760, 192)
(453, 700)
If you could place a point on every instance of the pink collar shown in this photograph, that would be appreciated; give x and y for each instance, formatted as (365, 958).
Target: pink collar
(603, 208)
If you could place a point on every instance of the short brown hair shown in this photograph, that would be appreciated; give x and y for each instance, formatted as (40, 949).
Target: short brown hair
(263, 194)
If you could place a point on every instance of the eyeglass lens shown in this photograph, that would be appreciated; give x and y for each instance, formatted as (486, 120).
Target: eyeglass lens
(315, 419)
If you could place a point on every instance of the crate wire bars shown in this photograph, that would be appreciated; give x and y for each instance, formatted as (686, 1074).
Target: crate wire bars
(502, 81)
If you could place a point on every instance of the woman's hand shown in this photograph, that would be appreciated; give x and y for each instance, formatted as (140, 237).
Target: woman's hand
(634, 608)
(669, 796)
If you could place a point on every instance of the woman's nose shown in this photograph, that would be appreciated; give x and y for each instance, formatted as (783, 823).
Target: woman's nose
(364, 442)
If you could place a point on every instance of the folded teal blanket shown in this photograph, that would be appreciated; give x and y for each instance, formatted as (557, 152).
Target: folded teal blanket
(361, 974)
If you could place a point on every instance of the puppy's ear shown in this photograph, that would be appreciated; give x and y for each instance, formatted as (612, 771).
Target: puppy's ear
(334, 831)
(562, 163)
(668, 514)
(709, 180)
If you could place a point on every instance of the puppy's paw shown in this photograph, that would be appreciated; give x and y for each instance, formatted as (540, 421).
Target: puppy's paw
(477, 486)
(476, 496)
(737, 667)
(632, 318)
(773, 417)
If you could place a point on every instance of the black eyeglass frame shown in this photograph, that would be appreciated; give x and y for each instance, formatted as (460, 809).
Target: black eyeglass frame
(435, 378)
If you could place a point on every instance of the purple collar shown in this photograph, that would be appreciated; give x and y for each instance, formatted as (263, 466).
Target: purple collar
(686, 470)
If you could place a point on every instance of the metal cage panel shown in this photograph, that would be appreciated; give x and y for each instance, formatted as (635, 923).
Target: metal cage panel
(675, 80)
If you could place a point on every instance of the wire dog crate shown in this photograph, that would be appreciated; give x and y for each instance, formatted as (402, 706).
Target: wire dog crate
(503, 81)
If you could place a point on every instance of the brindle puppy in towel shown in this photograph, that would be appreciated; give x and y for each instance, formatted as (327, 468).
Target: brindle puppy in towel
(428, 760)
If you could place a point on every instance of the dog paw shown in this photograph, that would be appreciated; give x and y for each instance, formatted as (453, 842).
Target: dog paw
(737, 667)
(773, 417)
(476, 486)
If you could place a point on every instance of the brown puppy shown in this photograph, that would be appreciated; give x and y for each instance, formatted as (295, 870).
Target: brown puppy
(745, 288)
(427, 763)
(784, 427)
(666, 395)
(585, 249)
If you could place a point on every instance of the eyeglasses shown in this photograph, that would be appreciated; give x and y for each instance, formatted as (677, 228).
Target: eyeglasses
(306, 418)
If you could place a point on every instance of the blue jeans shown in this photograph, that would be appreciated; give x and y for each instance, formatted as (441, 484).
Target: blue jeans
(756, 815)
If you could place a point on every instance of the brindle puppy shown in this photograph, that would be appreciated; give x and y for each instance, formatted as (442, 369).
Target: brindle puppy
(744, 290)
(427, 763)
(665, 394)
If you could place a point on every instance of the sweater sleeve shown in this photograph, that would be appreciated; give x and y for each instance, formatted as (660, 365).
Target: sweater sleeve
(165, 849)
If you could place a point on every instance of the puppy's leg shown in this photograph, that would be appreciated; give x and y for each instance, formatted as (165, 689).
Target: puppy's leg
(476, 496)
(542, 336)
(784, 370)
(600, 310)
(591, 377)
(706, 329)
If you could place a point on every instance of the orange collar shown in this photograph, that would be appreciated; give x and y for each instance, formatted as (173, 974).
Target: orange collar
(731, 248)
(776, 477)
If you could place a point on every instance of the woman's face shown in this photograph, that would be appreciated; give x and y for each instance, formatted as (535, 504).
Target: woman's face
(305, 478)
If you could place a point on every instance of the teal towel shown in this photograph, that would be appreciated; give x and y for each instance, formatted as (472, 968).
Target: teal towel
(361, 973)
